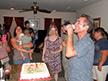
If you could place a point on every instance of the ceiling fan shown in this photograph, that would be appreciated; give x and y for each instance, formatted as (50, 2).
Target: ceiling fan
(35, 9)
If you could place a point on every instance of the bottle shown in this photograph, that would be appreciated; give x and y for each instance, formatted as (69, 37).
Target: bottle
(7, 71)
(72, 26)
(1, 71)
(0, 64)
(7, 75)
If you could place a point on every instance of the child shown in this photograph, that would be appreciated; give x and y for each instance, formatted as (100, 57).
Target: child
(25, 39)
(4, 49)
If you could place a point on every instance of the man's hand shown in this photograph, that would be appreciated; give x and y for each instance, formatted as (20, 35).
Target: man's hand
(69, 29)
(63, 29)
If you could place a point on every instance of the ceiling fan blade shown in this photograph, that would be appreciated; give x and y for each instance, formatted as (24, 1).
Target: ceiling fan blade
(25, 10)
(35, 9)
(44, 10)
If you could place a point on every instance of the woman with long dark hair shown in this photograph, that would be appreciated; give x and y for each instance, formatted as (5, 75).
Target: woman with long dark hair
(17, 58)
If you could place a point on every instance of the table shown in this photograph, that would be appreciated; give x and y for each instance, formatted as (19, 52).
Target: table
(14, 76)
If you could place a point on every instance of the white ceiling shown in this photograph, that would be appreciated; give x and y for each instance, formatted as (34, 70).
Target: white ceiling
(58, 5)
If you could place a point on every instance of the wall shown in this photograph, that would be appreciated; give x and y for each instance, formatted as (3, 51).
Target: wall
(97, 10)
(39, 15)
(63, 15)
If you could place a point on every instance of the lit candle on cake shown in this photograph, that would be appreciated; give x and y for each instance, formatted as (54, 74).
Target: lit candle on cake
(36, 65)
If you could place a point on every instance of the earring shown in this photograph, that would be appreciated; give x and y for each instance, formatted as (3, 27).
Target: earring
(49, 33)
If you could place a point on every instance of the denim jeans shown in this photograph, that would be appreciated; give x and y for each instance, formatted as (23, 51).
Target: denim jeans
(27, 60)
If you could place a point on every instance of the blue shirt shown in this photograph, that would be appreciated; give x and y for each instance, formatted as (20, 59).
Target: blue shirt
(101, 44)
(80, 65)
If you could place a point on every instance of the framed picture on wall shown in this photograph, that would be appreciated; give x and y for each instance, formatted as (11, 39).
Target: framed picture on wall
(34, 23)
(97, 22)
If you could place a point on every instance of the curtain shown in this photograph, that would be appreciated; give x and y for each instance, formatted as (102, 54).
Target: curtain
(13, 27)
(8, 21)
(47, 23)
(19, 21)
(58, 24)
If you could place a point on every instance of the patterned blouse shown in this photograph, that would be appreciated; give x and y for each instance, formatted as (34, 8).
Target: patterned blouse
(3, 54)
(53, 60)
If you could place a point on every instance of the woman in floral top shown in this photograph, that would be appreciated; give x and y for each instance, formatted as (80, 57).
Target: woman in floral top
(51, 51)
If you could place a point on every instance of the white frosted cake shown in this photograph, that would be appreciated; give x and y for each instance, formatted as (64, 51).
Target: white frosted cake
(34, 71)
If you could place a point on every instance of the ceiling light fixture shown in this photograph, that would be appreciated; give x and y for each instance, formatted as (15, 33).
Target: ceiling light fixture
(85, 0)
(54, 10)
(68, 7)
(11, 8)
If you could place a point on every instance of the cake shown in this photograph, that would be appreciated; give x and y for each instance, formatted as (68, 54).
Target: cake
(34, 71)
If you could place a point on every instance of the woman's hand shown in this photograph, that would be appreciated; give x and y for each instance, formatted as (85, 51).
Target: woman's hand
(7, 46)
(20, 46)
(100, 67)
(43, 59)
(30, 51)
(6, 42)
(30, 45)
(52, 52)
(63, 43)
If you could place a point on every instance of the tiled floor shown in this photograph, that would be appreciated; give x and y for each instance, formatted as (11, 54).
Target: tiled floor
(37, 58)
(61, 79)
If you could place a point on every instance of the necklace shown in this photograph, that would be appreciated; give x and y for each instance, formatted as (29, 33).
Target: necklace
(53, 38)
